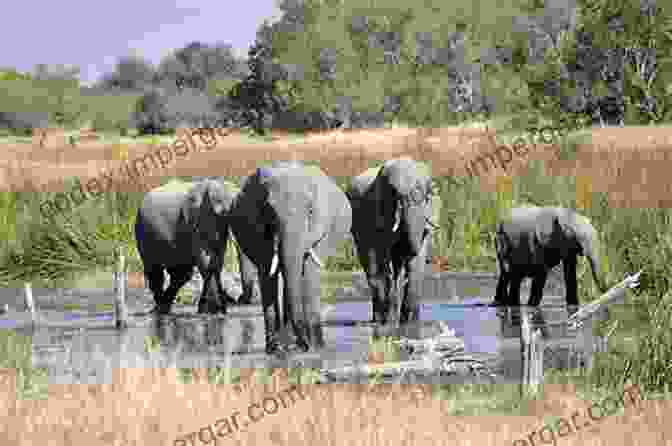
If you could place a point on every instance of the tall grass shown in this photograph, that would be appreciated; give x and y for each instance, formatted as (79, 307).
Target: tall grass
(632, 239)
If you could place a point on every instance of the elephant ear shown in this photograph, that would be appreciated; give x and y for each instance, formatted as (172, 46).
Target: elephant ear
(189, 207)
(217, 200)
(585, 235)
(546, 229)
(386, 203)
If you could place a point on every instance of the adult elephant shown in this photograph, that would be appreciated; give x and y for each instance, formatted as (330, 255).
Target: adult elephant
(530, 241)
(391, 228)
(288, 218)
(181, 225)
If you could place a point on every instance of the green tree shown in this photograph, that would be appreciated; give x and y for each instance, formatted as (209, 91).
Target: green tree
(10, 74)
(619, 51)
(377, 54)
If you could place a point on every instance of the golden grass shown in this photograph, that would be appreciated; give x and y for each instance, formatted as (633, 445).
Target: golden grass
(150, 406)
(630, 163)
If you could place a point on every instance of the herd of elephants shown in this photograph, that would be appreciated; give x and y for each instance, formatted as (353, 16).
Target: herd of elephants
(288, 217)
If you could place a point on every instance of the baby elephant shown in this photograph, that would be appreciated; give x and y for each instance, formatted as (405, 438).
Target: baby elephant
(531, 241)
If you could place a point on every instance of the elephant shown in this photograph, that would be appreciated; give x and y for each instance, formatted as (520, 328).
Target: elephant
(288, 218)
(391, 228)
(181, 225)
(530, 241)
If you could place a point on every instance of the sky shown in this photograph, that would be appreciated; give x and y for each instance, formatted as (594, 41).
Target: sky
(93, 35)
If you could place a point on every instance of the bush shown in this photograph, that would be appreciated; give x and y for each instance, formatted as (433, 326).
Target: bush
(150, 116)
(23, 123)
(191, 108)
(109, 111)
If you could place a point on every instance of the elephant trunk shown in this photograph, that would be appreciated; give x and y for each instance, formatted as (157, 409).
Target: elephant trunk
(595, 271)
(590, 247)
(291, 257)
(414, 223)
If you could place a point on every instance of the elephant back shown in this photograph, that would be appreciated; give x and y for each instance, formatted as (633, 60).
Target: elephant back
(173, 186)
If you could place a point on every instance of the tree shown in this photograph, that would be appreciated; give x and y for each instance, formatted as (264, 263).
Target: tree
(377, 56)
(612, 68)
(131, 73)
(10, 74)
(194, 65)
(62, 81)
(150, 115)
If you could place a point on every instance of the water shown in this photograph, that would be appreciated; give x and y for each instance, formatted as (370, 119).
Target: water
(88, 353)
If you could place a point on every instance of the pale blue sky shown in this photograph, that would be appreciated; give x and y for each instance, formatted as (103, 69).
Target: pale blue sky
(94, 34)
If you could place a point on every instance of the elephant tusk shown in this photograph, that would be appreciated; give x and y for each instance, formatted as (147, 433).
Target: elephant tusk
(432, 224)
(274, 264)
(395, 228)
(315, 258)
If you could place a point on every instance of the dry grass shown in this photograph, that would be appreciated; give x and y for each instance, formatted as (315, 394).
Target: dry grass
(49, 138)
(630, 163)
(150, 406)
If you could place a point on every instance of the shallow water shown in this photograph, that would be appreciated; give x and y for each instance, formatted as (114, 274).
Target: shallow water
(88, 353)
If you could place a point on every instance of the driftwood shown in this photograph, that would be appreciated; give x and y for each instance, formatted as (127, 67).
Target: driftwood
(597, 308)
(532, 352)
(439, 355)
(120, 280)
(30, 302)
(532, 344)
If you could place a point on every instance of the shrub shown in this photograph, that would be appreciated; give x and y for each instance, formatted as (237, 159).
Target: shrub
(23, 123)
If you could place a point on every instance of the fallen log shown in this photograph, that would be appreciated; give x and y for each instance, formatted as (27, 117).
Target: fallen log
(439, 355)
(613, 295)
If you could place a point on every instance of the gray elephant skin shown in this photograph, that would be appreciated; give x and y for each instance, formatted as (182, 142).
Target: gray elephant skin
(179, 226)
(391, 228)
(530, 241)
(288, 219)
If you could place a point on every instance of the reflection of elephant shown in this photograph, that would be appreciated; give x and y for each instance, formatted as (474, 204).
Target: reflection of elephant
(179, 226)
(533, 240)
(286, 218)
(511, 320)
(391, 208)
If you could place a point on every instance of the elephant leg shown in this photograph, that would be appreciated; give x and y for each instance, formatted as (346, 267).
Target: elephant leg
(271, 309)
(216, 270)
(213, 297)
(311, 304)
(537, 289)
(155, 281)
(571, 287)
(502, 294)
(225, 298)
(514, 289)
(211, 286)
(377, 279)
(179, 276)
(415, 272)
(249, 279)
(396, 293)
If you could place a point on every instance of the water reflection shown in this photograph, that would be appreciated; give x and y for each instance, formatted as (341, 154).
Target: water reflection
(201, 334)
(237, 340)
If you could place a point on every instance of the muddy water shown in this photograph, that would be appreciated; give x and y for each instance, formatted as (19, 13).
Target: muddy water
(84, 347)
